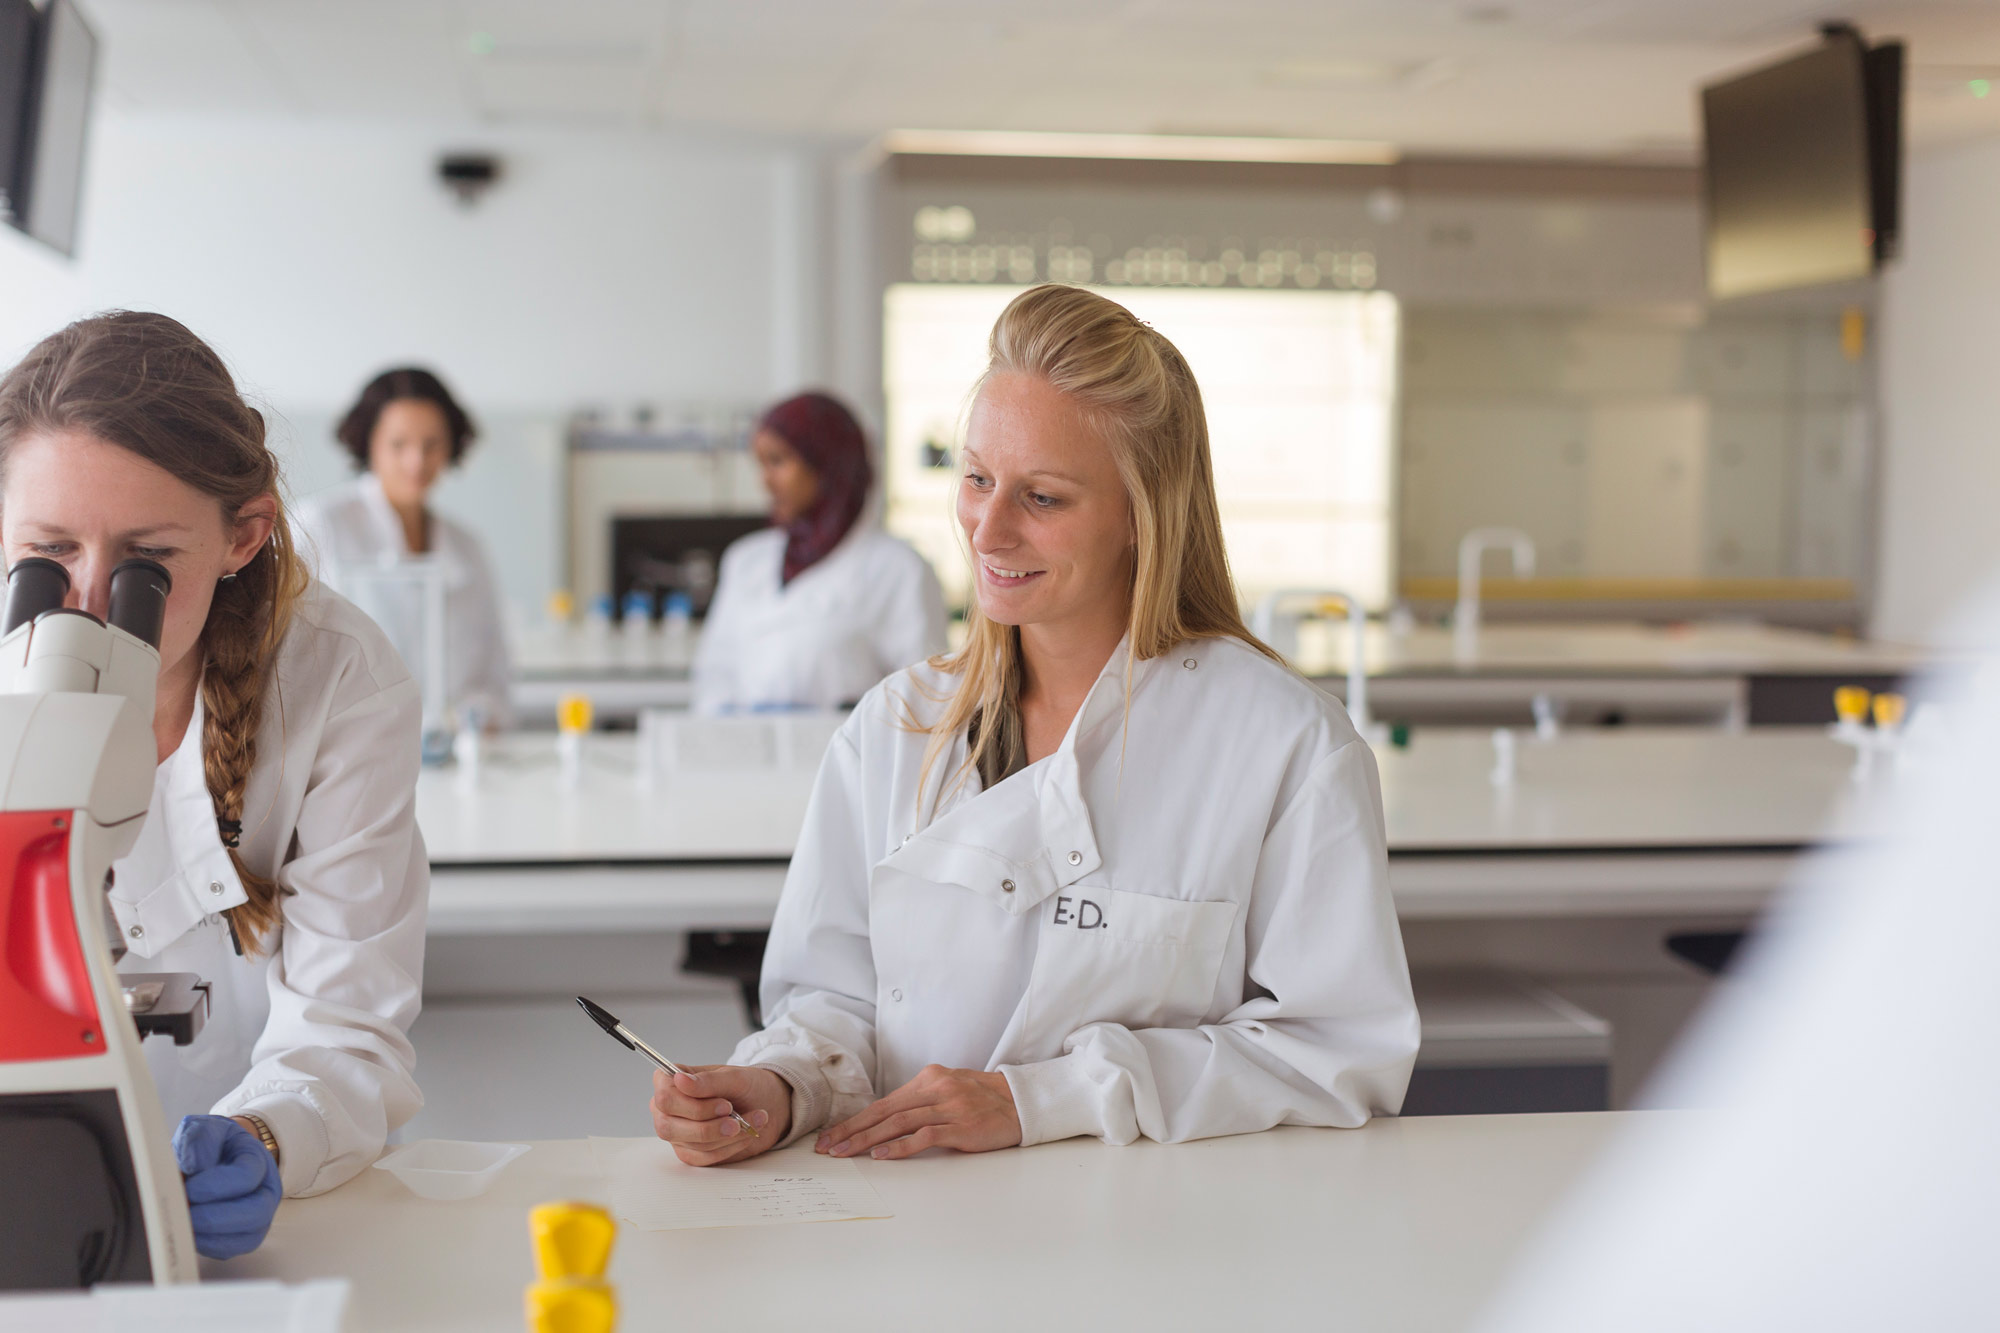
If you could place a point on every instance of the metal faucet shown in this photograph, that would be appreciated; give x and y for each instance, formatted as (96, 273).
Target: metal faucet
(1475, 544)
(1264, 624)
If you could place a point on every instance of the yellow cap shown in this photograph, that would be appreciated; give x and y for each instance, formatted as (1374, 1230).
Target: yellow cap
(1853, 332)
(571, 1239)
(571, 1305)
(573, 712)
(1850, 703)
(561, 605)
(1889, 709)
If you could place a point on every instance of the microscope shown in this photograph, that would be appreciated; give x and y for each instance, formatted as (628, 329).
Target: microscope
(89, 1188)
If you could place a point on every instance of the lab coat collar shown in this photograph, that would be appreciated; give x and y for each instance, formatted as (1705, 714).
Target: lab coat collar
(394, 543)
(1030, 835)
(382, 515)
(200, 879)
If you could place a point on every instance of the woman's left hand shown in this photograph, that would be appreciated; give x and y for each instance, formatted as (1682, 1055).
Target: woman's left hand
(939, 1108)
(232, 1184)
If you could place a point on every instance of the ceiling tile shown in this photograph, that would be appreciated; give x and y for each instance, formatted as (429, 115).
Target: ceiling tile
(1518, 76)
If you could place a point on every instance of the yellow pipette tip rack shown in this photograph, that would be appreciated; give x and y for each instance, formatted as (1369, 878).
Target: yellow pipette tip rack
(573, 713)
(572, 1305)
(571, 1239)
(572, 1243)
(1850, 703)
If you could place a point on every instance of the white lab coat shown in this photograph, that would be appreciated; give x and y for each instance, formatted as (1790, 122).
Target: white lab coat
(1177, 926)
(870, 607)
(356, 525)
(311, 1033)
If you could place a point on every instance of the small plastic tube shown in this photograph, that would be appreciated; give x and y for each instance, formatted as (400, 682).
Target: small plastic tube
(572, 721)
(677, 625)
(1548, 717)
(1850, 708)
(597, 621)
(465, 751)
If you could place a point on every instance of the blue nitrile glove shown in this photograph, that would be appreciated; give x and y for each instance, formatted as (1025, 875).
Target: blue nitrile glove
(232, 1184)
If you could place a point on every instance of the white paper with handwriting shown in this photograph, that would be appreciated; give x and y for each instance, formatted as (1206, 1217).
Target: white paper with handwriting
(654, 1191)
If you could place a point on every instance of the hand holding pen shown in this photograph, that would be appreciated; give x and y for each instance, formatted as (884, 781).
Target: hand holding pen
(709, 1113)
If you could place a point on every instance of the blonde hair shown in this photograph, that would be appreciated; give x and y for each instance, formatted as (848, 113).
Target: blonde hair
(147, 384)
(1137, 393)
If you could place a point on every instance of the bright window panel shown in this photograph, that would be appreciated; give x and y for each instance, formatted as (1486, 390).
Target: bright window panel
(1300, 389)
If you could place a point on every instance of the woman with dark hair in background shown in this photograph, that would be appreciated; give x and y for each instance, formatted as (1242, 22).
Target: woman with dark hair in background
(280, 859)
(403, 432)
(812, 611)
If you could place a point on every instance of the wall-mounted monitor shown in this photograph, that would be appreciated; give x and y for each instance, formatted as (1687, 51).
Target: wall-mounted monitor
(1801, 168)
(45, 183)
(17, 62)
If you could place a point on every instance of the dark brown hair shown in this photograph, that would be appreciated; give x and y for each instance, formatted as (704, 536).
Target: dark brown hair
(145, 383)
(357, 428)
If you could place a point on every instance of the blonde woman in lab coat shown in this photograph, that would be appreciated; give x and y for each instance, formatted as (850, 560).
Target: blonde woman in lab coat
(812, 611)
(403, 432)
(1111, 870)
(280, 859)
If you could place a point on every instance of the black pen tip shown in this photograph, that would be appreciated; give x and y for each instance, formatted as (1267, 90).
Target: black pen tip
(602, 1017)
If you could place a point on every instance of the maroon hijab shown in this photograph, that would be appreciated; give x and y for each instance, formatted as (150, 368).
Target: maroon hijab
(829, 439)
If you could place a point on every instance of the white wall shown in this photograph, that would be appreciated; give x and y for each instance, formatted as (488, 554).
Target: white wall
(1940, 358)
(605, 269)
(1636, 443)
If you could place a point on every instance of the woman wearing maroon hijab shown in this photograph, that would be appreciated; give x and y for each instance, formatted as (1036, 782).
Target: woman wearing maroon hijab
(813, 610)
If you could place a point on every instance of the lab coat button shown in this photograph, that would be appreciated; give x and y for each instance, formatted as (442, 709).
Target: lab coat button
(1006, 886)
(1188, 663)
(1076, 858)
(137, 932)
(896, 994)
(215, 886)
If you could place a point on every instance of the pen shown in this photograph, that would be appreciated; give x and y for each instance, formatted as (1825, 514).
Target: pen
(604, 1019)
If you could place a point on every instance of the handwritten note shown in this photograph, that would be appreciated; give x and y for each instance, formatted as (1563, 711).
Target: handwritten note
(654, 1191)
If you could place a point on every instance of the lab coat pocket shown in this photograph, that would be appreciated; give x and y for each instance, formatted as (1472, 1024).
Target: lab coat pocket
(1113, 956)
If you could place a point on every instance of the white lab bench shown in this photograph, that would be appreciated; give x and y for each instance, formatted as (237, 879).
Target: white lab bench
(1402, 1226)
(1716, 671)
(1712, 672)
(1609, 822)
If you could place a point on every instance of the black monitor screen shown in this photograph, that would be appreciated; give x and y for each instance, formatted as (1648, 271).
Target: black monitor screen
(17, 56)
(51, 171)
(1787, 174)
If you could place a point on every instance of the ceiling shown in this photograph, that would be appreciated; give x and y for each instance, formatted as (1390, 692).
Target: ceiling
(1591, 77)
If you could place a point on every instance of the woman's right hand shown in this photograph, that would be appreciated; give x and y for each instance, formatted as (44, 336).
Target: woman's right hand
(691, 1111)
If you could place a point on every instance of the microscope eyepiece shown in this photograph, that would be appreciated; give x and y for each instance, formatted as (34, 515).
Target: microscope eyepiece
(139, 591)
(34, 585)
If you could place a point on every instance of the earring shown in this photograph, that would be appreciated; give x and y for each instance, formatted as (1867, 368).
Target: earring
(227, 578)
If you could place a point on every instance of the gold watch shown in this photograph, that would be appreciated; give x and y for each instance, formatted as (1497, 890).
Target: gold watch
(264, 1133)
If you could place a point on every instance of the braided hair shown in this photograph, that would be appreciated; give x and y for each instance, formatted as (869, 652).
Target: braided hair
(145, 383)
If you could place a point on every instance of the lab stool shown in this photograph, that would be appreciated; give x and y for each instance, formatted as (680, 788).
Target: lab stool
(734, 955)
(1495, 1044)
